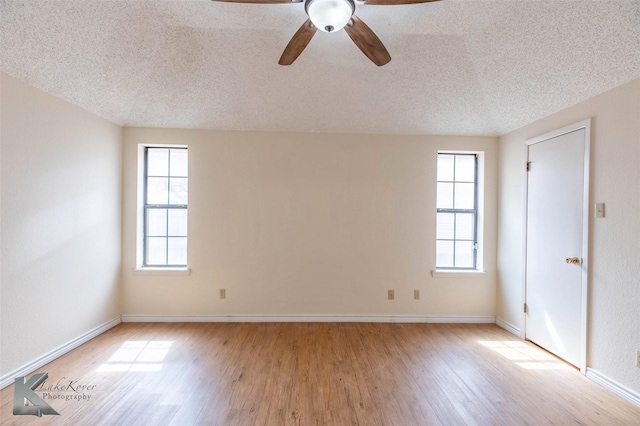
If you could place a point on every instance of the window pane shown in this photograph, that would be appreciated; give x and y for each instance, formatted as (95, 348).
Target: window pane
(464, 254)
(464, 196)
(157, 190)
(444, 254)
(165, 232)
(465, 168)
(178, 193)
(179, 162)
(456, 193)
(445, 167)
(177, 251)
(156, 251)
(445, 227)
(157, 162)
(464, 226)
(445, 196)
(156, 222)
(178, 222)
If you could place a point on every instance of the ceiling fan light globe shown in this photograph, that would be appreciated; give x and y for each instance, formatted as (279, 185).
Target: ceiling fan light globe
(330, 15)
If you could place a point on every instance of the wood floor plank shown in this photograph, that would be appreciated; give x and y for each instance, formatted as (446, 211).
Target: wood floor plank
(320, 374)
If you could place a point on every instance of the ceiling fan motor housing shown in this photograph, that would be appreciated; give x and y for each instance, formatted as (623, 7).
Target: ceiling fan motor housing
(329, 15)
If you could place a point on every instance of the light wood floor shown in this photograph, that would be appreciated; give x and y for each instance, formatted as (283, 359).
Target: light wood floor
(320, 374)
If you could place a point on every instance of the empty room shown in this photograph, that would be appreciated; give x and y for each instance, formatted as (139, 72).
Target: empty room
(320, 212)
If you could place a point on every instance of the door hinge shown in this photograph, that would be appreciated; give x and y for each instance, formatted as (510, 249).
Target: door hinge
(528, 165)
(525, 308)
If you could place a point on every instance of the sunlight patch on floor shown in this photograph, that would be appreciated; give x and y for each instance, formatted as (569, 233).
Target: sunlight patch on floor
(524, 355)
(138, 355)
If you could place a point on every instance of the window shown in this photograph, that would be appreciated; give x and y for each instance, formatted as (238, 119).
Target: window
(165, 207)
(457, 211)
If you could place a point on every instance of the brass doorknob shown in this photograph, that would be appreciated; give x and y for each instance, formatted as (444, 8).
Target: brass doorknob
(573, 260)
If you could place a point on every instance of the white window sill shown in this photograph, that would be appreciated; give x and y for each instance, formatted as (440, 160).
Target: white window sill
(162, 271)
(457, 274)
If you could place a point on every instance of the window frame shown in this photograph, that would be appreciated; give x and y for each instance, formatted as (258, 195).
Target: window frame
(149, 206)
(475, 211)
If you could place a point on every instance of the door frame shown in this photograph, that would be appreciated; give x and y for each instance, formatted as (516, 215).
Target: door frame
(586, 125)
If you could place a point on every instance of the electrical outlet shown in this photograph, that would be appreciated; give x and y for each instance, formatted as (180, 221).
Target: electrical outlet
(416, 294)
(391, 295)
(223, 293)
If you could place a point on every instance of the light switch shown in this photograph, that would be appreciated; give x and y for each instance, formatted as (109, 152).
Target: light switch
(599, 210)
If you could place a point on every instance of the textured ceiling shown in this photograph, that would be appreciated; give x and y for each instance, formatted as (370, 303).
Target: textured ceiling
(479, 67)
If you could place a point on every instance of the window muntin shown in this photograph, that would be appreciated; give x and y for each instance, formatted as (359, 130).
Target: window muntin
(165, 206)
(457, 211)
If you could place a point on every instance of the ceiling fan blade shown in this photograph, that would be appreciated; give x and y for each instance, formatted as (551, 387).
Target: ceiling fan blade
(367, 41)
(394, 2)
(298, 42)
(261, 1)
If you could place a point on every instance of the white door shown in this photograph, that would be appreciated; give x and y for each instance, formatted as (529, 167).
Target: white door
(557, 182)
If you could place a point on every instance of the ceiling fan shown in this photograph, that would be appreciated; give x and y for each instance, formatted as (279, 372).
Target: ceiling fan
(331, 16)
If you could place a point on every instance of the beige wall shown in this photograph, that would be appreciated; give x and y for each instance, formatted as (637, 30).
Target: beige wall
(60, 223)
(308, 224)
(614, 275)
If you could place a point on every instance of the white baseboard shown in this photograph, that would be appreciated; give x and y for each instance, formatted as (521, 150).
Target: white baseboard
(310, 318)
(508, 326)
(613, 386)
(30, 367)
